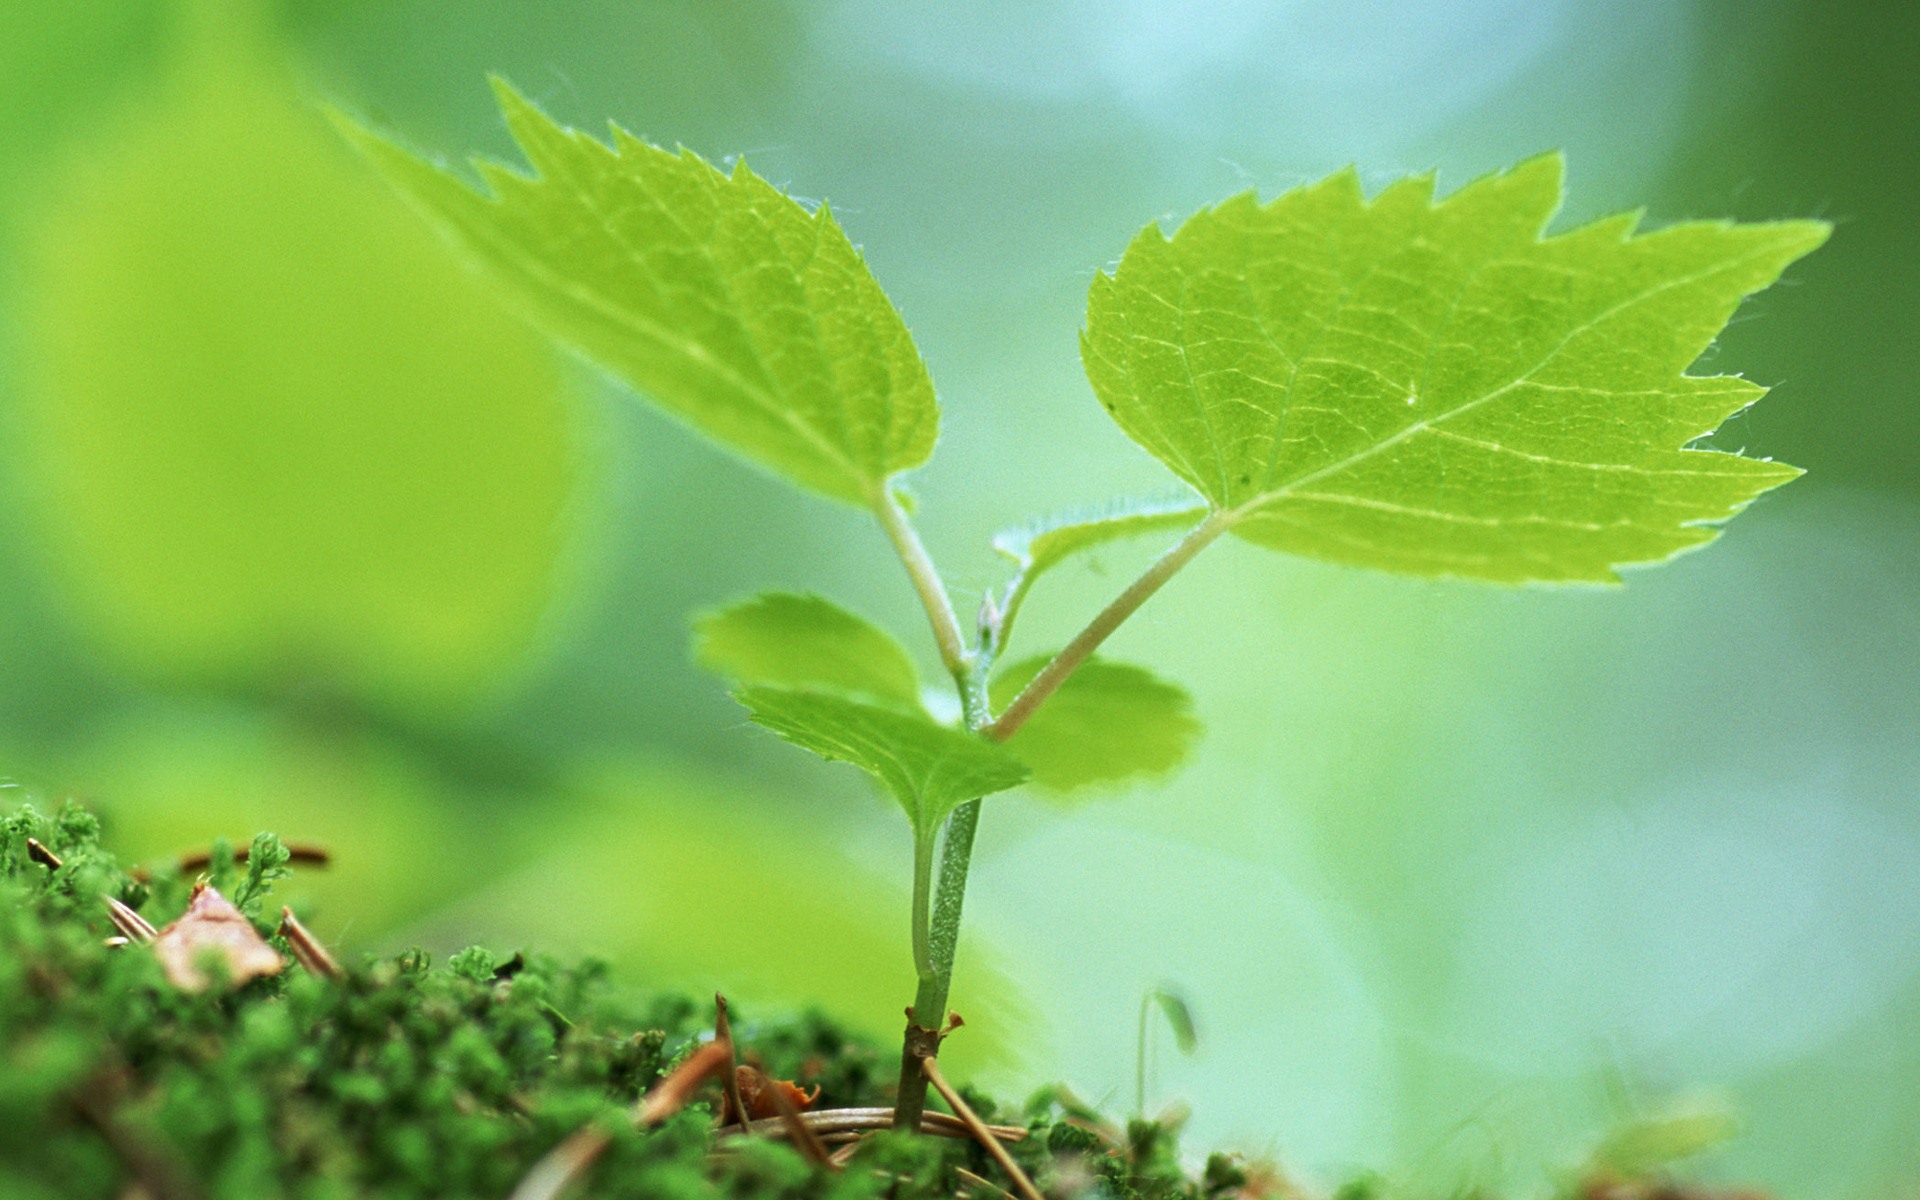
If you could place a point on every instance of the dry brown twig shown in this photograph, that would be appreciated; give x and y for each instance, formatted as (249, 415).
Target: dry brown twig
(40, 854)
(307, 949)
(840, 1157)
(735, 1108)
(984, 1184)
(305, 853)
(837, 1124)
(810, 1132)
(981, 1132)
(572, 1158)
(132, 926)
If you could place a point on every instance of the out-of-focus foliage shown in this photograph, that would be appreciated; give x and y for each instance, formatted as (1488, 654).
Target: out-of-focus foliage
(273, 435)
(400, 1077)
(788, 640)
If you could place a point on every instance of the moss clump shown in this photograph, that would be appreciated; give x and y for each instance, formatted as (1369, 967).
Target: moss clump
(404, 1079)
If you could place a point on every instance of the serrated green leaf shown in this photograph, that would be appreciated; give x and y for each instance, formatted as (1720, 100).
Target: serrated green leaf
(1436, 388)
(929, 768)
(1108, 723)
(719, 297)
(794, 641)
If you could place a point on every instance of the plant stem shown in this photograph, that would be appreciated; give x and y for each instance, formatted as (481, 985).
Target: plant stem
(1102, 626)
(942, 925)
(927, 582)
(956, 857)
(1140, 1060)
(929, 1011)
(922, 885)
(936, 921)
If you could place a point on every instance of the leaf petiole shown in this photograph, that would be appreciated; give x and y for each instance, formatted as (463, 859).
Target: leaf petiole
(926, 582)
(1105, 622)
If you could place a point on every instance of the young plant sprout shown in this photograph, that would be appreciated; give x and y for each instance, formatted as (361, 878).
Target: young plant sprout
(1419, 385)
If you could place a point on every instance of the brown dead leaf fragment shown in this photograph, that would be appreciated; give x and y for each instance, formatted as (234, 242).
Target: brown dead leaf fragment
(210, 926)
(757, 1093)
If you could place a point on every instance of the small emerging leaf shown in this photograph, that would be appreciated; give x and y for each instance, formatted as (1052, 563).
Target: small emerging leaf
(1042, 545)
(1436, 388)
(1649, 1144)
(725, 301)
(807, 642)
(1173, 1006)
(1108, 723)
(929, 768)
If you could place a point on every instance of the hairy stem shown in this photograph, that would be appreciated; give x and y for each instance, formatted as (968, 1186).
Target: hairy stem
(1102, 626)
(922, 887)
(926, 581)
(956, 856)
(928, 1015)
(925, 1020)
(936, 918)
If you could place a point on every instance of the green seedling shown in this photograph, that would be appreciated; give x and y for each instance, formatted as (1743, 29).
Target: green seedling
(1427, 386)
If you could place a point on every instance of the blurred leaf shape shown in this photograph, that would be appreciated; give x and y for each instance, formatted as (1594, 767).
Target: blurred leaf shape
(1179, 1017)
(274, 432)
(59, 64)
(722, 299)
(929, 768)
(803, 641)
(1436, 388)
(171, 778)
(1647, 1145)
(1109, 722)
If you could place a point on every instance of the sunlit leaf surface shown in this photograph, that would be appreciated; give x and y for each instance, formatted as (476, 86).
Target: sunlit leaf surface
(722, 299)
(929, 768)
(1435, 388)
(796, 641)
(1108, 723)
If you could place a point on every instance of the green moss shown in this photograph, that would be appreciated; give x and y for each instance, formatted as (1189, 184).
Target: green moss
(406, 1079)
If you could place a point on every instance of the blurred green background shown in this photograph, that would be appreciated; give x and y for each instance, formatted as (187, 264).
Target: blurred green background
(300, 530)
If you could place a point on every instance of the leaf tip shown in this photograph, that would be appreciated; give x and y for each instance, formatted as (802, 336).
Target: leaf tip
(1546, 171)
(1345, 183)
(540, 137)
(1413, 191)
(360, 134)
(506, 95)
(1804, 236)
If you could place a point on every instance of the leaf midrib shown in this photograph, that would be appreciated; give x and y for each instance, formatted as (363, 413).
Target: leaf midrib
(608, 309)
(1293, 486)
